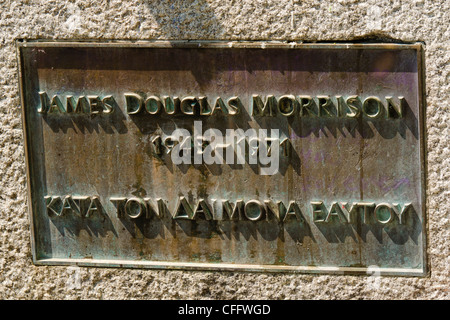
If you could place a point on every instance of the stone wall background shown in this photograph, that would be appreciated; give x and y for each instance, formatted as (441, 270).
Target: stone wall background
(308, 20)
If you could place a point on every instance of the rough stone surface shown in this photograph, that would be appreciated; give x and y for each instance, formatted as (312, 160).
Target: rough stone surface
(308, 20)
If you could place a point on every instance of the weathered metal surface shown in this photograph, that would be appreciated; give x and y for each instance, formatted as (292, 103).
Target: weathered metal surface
(346, 196)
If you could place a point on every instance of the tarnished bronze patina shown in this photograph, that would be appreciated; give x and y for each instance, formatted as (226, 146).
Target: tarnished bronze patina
(335, 184)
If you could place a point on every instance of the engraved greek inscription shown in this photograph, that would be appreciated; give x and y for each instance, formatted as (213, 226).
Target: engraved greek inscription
(136, 207)
(340, 212)
(81, 206)
(252, 210)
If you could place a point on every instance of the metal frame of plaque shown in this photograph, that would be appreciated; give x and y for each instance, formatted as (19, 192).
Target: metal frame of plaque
(203, 155)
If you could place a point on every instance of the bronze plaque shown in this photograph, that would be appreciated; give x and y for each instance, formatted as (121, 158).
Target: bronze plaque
(256, 156)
